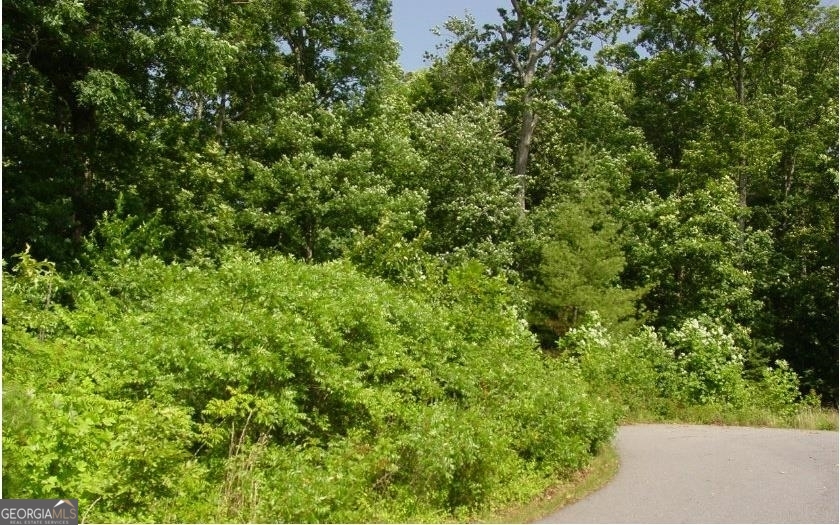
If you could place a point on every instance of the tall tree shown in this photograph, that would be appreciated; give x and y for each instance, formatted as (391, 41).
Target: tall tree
(162, 102)
(738, 41)
(795, 200)
(99, 97)
(738, 89)
(585, 156)
(535, 44)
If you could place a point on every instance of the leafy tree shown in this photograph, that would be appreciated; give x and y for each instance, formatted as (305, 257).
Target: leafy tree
(733, 75)
(471, 198)
(584, 157)
(586, 138)
(687, 250)
(535, 45)
(737, 42)
(462, 76)
(794, 201)
(161, 104)
(49, 59)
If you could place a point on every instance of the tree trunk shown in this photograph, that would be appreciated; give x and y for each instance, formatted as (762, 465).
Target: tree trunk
(740, 92)
(220, 117)
(789, 176)
(523, 150)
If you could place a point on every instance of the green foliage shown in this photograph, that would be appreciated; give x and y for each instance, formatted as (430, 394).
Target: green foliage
(395, 251)
(458, 78)
(635, 373)
(587, 142)
(688, 251)
(171, 104)
(778, 390)
(676, 374)
(580, 264)
(118, 238)
(471, 191)
(710, 366)
(268, 381)
(721, 96)
(262, 276)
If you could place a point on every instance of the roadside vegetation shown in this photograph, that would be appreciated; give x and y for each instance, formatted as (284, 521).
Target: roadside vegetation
(692, 375)
(254, 390)
(254, 272)
(272, 390)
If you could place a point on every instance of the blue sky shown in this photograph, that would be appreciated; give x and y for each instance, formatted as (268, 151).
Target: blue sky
(414, 19)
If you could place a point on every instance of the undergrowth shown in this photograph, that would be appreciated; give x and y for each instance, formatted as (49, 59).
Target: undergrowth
(257, 390)
(272, 390)
(695, 374)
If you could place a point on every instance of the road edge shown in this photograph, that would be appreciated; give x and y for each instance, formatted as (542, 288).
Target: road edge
(601, 470)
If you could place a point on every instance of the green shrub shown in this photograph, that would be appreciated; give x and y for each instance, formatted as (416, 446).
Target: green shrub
(271, 390)
(710, 366)
(699, 365)
(634, 372)
(778, 390)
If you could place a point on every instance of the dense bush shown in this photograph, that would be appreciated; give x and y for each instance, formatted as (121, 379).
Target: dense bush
(271, 390)
(656, 376)
(710, 367)
(632, 372)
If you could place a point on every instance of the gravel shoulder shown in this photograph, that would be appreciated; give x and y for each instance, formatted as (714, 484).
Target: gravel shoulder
(712, 474)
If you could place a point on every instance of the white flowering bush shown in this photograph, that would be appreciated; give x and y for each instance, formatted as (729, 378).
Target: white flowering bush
(710, 366)
(634, 372)
(778, 389)
(648, 375)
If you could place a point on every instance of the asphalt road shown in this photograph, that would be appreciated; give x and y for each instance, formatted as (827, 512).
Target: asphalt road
(711, 474)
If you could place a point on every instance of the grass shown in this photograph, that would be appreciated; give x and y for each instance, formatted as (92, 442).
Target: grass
(811, 418)
(563, 492)
(804, 418)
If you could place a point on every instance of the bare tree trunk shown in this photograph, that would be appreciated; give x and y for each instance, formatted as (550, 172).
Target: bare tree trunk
(523, 150)
(220, 116)
(740, 92)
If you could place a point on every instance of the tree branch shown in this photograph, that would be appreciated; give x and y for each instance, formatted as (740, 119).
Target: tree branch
(571, 23)
(511, 51)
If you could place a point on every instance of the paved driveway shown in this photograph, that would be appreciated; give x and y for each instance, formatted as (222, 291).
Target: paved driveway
(711, 474)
